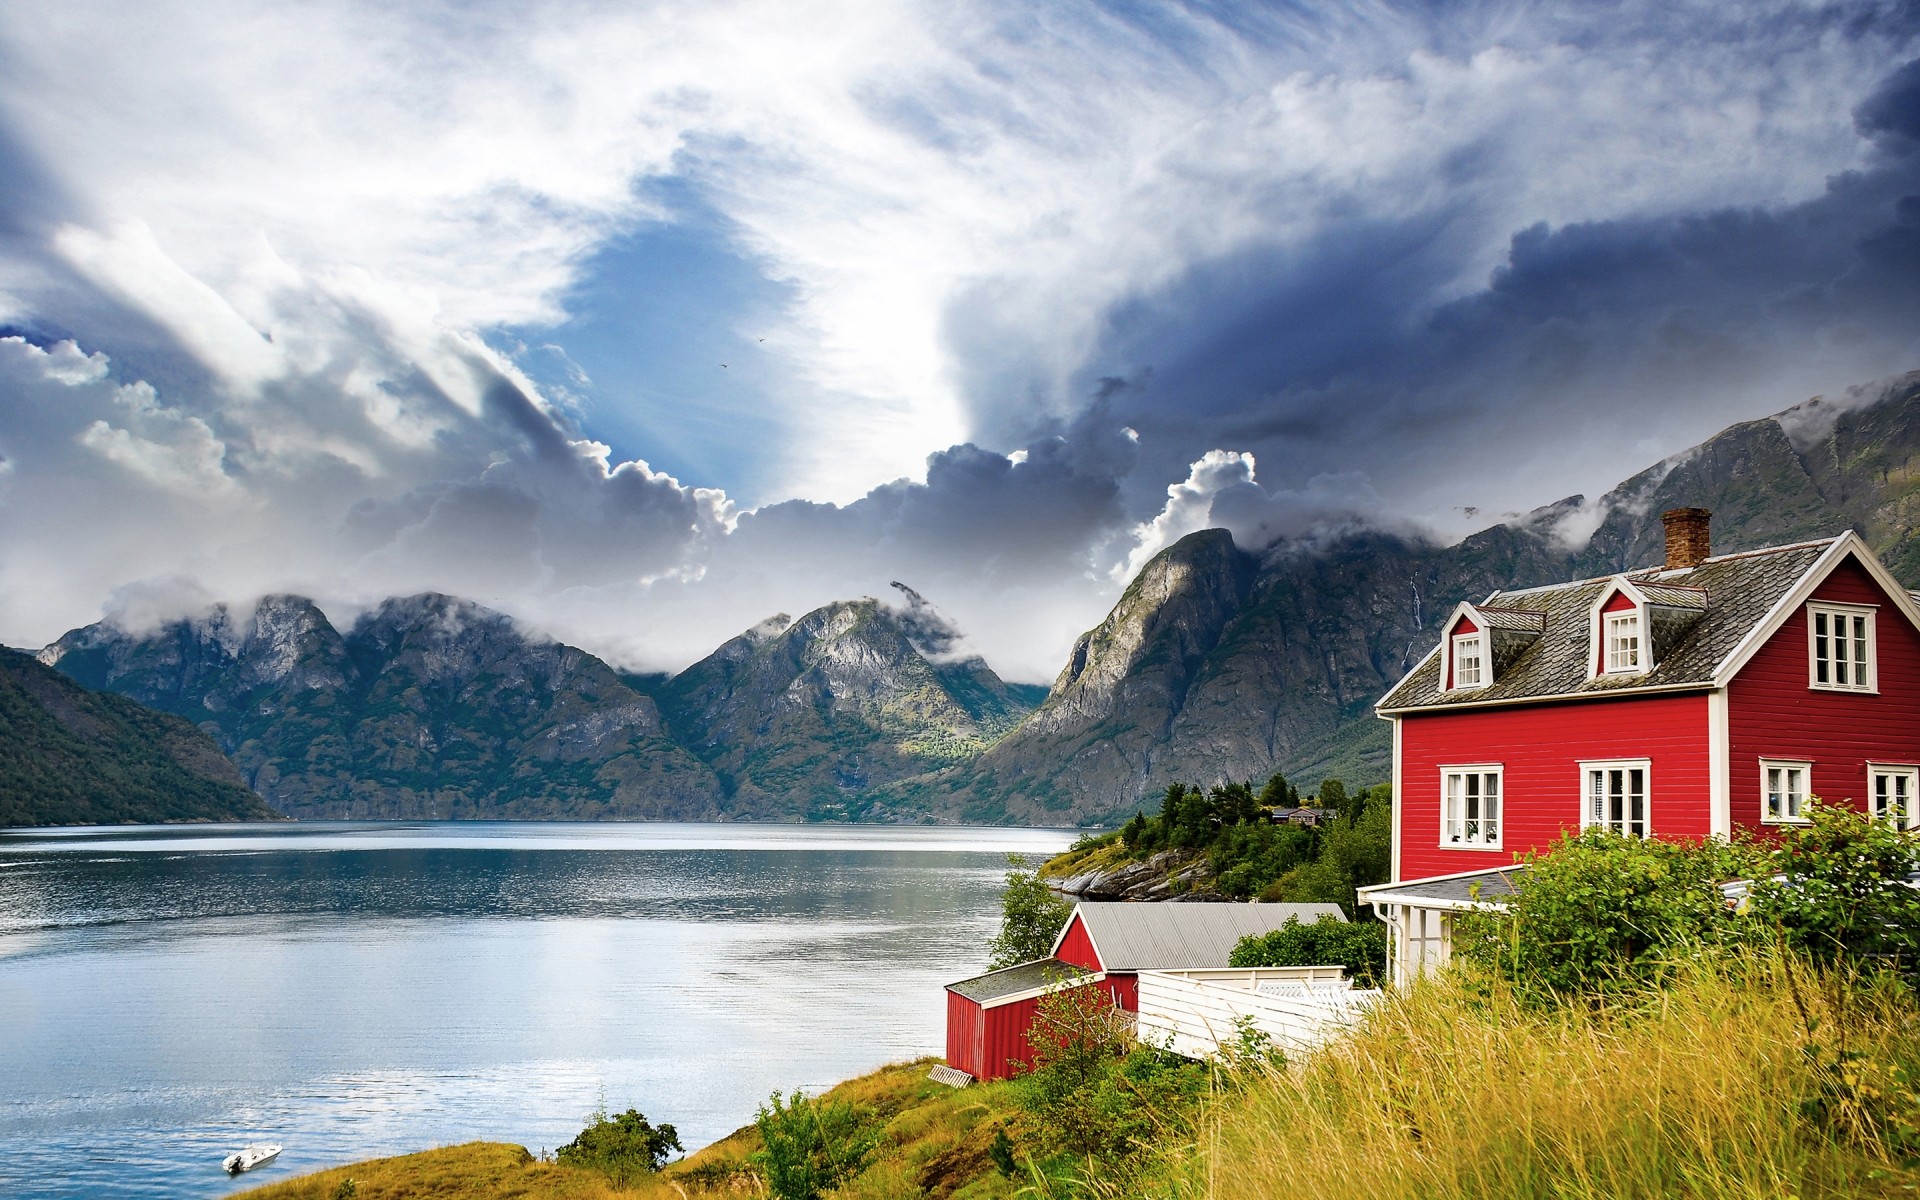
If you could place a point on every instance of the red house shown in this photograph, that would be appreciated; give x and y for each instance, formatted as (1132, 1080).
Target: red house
(1104, 945)
(1684, 701)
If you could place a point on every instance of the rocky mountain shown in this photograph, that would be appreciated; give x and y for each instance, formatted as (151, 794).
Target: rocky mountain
(1217, 664)
(805, 718)
(428, 706)
(69, 756)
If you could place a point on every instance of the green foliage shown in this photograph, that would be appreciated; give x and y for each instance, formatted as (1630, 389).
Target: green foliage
(811, 1146)
(1599, 912)
(1251, 856)
(1359, 946)
(623, 1147)
(348, 1190)
(1095, 1096)
(1031, 916)
(69, 756)
(1834, 890)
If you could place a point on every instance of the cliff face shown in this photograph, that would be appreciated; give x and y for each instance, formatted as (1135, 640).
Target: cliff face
(69, 756)
(805, 718)
(429, 707)
(1214, 667)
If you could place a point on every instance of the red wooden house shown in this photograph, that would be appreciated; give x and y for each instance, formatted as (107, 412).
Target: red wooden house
(1682, 701)
(1104, 945)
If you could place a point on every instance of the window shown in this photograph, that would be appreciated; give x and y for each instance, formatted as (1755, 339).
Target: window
(1783, 788)
(1623, 642)
(1616, 797)
(1469, 670)
(1470, 807)
(1893, 791)
(1841, 647)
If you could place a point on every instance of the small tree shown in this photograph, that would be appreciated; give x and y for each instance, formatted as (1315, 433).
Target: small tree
(810, 1147)
(623, 1147)
(1031, 916)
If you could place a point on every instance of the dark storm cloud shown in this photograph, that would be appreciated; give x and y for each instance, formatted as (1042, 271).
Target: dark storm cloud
(1612, 337)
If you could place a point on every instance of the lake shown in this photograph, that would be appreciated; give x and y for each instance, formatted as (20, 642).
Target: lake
(170, 993)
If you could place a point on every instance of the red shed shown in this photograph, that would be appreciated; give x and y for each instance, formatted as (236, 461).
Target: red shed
(1688, 700)
(1105, 946)
(988, 1016)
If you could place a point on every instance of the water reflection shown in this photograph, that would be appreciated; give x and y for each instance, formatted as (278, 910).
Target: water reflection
(351, 990)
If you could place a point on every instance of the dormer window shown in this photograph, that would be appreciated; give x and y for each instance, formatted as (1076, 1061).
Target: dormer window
(1624, 644)
(1469, 660)
(1840, 649)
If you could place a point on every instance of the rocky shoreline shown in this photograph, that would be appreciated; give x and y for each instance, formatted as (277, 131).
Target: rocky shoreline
(1175, 876)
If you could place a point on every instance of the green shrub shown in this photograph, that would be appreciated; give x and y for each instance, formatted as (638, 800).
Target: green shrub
(1599, 912)
(1359, 946)
(1835, 890)
(623, 1147)
(810, 1147)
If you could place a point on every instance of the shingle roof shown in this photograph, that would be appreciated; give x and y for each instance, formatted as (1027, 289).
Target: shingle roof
(1169, 937)
(1741, 589)
(1011, 981)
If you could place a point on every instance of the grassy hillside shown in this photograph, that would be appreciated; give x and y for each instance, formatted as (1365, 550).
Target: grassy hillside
(934, 1144)
(69, 756)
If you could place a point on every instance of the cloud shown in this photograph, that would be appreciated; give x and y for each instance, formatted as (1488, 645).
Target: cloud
(1220, 492)
(292, 276)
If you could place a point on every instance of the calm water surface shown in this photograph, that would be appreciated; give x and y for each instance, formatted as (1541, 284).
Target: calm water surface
(168, 994)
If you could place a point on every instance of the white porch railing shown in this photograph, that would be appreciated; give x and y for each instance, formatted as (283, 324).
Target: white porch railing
(1195, 1011)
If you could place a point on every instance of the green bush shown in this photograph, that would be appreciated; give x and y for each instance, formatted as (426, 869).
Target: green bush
(1359, 946)
(623, 1147)
(1599, 912)
(810, 1147)
(1835, 890)
(1098, 1100)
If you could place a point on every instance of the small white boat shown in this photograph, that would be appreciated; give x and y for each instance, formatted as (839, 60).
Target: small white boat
(248, 1157)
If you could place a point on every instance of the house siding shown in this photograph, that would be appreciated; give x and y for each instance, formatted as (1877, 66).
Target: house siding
(991, 1042)
(1077, 946)
(1540, 748)
(1773, 713)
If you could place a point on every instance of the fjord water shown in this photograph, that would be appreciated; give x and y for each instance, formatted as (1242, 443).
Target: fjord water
(349, 990)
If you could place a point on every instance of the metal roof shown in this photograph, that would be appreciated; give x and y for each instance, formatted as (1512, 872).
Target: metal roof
(1491, 886)
(1743, 588)
(1011, 981)
(1149, 937)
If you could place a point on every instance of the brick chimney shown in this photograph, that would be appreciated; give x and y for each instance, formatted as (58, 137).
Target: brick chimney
(1689, 542)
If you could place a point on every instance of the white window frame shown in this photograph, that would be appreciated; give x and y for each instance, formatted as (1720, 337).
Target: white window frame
(1607, 623)
(1477, 643)
(1908, 771)
(1866, 672)
(1801, 765)
(1591, 767)
(1482, 771)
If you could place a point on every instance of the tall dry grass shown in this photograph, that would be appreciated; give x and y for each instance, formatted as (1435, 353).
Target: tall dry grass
(1753, 1079)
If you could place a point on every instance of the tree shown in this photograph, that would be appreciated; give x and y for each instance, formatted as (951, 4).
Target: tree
(1134, 831)
(1333, 795)
(1031, 917)
(623, 1147)
(1277, 793)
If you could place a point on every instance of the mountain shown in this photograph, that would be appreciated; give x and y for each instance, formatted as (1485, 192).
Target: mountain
(806, 718)
(429, 706)
(1217, 664)
(69, 756)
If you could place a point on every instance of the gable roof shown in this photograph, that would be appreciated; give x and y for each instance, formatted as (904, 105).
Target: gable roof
(1148, 937)
(1746, 597)
(1010, 982)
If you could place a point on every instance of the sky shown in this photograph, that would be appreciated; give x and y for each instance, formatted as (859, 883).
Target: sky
(644, 321)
